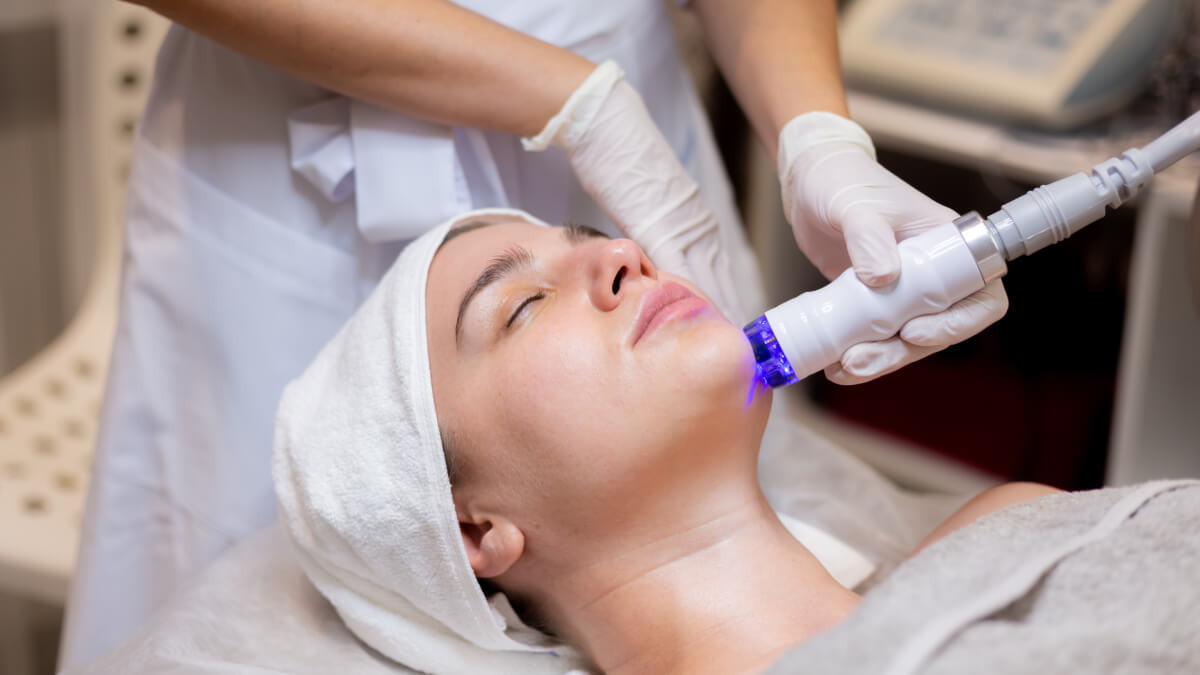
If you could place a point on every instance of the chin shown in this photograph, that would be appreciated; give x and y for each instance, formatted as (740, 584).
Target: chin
(715, 359)
(711, 397)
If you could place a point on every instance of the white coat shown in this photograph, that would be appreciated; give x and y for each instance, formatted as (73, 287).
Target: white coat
(262, 210)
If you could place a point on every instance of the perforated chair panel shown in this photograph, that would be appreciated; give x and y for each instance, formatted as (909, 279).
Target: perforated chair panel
(49, 405)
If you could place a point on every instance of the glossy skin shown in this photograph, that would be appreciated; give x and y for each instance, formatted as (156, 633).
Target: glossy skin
(559, 422)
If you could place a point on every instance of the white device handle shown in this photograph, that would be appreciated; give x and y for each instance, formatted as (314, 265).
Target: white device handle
(937, 269)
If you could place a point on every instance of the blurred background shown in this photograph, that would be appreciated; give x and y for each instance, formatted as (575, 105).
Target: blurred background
(1093, 377)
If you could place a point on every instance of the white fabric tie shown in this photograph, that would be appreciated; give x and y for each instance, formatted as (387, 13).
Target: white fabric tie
(404, 173)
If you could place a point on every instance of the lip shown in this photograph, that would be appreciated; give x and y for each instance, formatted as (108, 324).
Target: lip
(663, 305)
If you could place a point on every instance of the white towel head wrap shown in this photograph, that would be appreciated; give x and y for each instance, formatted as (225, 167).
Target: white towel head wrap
(364, 495)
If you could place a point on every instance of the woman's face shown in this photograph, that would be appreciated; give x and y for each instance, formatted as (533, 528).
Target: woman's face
(572, 380)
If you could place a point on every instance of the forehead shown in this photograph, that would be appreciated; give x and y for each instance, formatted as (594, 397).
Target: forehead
(461, 258)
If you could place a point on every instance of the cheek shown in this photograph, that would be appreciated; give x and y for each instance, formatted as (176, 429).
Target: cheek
(559, 377)
(566, 390)
(563, 402)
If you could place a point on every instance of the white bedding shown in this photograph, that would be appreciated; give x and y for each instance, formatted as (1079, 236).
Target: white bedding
(251, 611)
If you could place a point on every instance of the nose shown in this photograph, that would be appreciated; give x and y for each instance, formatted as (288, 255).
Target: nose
(616, 267)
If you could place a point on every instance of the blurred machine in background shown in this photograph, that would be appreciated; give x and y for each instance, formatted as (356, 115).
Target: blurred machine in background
(1053, 63)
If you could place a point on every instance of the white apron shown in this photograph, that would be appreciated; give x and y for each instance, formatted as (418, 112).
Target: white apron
(262, 210)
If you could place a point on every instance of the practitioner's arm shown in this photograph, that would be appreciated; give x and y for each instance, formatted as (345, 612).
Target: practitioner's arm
(990, 500)
(780, 58)
(427, 58)
(434, 60)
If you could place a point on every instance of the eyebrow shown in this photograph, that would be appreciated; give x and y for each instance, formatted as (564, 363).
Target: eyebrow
(513, 260)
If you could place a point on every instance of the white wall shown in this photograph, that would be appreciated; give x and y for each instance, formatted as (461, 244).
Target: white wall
(31, 208)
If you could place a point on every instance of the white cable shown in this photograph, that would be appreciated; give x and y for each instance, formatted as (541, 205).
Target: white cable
(1182, 140)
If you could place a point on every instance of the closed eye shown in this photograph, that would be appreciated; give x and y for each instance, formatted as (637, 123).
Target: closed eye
(521, 308)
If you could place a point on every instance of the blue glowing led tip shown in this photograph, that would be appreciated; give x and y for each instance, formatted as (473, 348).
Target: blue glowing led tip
(772, 364)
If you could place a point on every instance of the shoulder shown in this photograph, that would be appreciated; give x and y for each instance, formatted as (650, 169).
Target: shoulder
(989, 501)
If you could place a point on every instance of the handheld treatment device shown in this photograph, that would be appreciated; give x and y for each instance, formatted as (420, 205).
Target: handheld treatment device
(951, 261)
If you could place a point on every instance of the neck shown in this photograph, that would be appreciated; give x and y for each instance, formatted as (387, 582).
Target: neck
(727, 592)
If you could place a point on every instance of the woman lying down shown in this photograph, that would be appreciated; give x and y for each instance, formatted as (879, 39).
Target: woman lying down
(541, 413)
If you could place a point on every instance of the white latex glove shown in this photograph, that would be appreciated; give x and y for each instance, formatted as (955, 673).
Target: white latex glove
(623, 161)
(847, 210)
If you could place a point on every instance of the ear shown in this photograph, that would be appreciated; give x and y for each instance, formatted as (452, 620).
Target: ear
(493, 543)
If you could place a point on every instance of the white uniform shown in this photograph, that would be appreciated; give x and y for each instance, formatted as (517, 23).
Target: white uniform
(262, 210)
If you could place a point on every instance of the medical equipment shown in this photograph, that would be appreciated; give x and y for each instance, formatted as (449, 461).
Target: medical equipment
(1054, 64)
(950, 262)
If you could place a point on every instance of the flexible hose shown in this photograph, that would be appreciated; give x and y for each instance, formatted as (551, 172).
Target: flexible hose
(1183, 139)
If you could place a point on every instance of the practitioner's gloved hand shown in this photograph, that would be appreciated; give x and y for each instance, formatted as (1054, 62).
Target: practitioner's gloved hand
(847, 210)
(629, 168)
